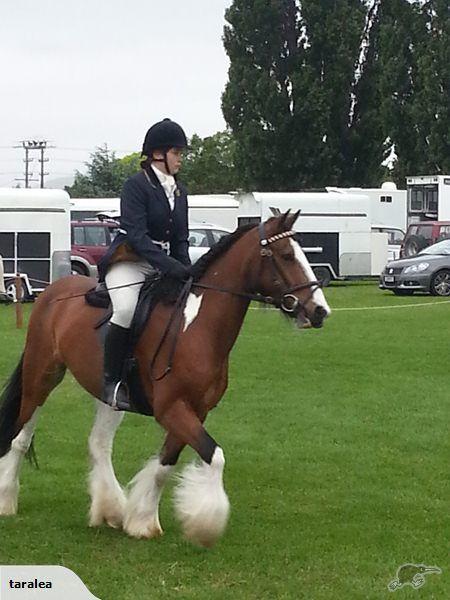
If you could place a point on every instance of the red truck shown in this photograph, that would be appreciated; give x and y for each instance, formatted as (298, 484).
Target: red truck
(90, 241)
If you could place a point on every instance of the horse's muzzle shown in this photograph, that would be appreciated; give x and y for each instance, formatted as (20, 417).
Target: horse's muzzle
(315, 319)
(318, 316)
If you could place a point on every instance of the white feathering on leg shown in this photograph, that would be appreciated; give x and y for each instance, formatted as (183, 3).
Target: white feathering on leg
(10, 467)
(141, 514)
(107, 497)
(201, 502)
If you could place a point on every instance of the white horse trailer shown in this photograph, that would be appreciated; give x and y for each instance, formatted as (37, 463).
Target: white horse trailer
(34, 237)
(90, 208)
(428, 198)
(334, 230)
(387, 212)
(220, 209)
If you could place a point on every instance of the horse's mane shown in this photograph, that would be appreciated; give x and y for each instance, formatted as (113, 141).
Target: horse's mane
(167, 289)
(222, 246)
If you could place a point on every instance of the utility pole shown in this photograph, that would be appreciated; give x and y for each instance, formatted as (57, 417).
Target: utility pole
(28, 145)
(43, 160)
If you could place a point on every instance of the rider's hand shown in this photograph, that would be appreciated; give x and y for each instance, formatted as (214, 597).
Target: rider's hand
(178, 271)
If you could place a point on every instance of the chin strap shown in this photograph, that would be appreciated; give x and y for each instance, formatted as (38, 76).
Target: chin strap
(164, 160)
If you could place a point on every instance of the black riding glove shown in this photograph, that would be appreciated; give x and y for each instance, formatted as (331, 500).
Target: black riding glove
(178, 271)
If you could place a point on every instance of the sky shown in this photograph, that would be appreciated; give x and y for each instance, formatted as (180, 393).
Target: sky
(88, 72)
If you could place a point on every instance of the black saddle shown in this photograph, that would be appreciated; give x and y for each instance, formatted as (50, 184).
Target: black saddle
(155, 288)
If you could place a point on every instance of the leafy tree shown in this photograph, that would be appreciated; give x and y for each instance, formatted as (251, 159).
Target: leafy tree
(290, 87)
(104, 177)
(209, 167)
(319, 91)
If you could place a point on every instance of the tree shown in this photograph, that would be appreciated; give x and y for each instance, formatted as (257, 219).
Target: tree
(207, 169)
(319, 92)
(290, 88)
(104, 178)
(209, 166)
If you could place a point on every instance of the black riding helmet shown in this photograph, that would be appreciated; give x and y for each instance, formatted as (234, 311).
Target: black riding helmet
(164, 135)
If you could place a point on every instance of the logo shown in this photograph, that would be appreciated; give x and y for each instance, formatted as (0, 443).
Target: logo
(413, 575)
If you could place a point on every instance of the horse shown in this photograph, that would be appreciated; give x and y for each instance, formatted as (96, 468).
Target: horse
(254, 262)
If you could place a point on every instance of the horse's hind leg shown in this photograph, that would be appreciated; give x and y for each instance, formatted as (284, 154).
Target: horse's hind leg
(142, 511)
(31, 386)
(10, 467)
(107, 497)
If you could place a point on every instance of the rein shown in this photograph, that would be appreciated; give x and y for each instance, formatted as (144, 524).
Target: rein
(287, 303)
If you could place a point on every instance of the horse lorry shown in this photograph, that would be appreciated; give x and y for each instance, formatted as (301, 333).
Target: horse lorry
(334, 229)
(219, 209)
(34, 238)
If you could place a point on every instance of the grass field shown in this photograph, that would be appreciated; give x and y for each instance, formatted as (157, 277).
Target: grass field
(337, 451)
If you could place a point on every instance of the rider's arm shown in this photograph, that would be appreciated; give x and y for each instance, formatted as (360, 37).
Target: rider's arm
(179, 245)
(133, 219)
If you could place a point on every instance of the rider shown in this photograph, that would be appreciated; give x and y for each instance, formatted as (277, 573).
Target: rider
(153, 237)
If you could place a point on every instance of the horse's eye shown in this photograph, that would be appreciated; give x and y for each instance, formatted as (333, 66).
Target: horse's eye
(289, 257)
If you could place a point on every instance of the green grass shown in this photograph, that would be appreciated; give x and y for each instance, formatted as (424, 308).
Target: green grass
(336, 443)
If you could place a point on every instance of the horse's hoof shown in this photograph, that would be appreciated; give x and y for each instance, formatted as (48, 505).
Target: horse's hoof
(140, 531)
(114, 522)
(8, 506)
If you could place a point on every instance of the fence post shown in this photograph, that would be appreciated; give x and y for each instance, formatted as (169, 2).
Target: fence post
(19, 308)
(2, 278)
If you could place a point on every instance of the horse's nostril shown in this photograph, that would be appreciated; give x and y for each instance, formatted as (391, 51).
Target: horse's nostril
(320, 313)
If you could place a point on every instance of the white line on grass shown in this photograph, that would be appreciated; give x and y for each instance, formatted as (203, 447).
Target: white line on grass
(368, 307)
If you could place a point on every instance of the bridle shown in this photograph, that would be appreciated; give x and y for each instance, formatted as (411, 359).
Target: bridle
(286, 301)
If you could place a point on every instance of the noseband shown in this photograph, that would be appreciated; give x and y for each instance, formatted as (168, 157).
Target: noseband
(287, 302)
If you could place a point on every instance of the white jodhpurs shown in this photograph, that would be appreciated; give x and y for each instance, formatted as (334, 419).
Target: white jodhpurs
(131, 276)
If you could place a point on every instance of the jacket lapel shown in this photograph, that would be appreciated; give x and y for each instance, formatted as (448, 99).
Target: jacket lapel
(160, 193)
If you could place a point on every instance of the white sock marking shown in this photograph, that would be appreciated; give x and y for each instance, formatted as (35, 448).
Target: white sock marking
(107, 497)
(201, 502)
(141, 515)
(10, 467)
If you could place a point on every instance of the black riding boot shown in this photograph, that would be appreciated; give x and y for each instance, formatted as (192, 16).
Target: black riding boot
(115, 393)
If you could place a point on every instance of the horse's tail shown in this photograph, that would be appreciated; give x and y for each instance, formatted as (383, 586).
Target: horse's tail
(10, 408)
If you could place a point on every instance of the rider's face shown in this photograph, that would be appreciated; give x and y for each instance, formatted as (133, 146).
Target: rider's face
(174, 160)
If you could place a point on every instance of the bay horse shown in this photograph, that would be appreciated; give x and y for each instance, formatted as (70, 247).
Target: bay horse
(263, 260)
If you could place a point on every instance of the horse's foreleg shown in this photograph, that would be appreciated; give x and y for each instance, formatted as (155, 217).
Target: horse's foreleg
(107, 497)
(10, 467)
(142, 511)
(201, 502)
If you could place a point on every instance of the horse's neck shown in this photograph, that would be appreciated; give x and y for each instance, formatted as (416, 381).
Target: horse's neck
(225, 310)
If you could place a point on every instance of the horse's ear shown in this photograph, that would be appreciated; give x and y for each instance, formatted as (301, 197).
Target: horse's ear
(291, 218)
(282, 220)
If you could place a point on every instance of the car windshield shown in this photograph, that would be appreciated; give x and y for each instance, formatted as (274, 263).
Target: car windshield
(439, 248)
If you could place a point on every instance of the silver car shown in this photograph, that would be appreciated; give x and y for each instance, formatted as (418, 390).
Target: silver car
(428, 271)
(202, 236)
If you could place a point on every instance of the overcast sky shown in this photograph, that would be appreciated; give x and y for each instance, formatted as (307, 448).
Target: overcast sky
(88, 72)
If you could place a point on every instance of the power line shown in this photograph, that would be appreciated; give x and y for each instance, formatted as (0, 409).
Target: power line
(31, 145)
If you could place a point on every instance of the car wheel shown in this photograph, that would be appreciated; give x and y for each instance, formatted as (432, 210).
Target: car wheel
(440, 284)
(403, 292)
(10, 289)
(322, 274)
(78, 269)
(414, 245)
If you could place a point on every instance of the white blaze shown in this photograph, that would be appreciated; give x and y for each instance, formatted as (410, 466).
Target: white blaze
(317, 296)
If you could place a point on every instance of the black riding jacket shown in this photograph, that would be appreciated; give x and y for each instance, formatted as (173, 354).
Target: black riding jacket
(146, 217)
